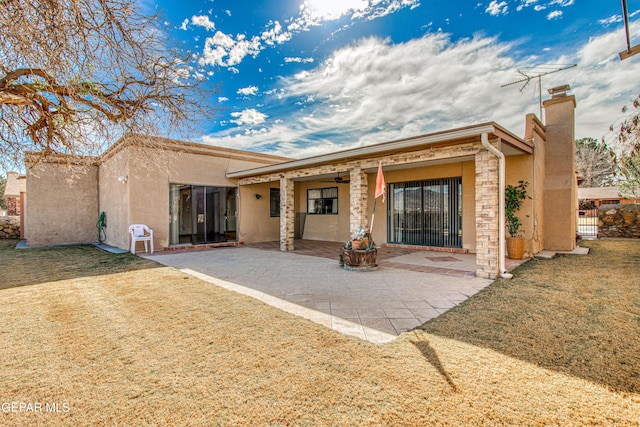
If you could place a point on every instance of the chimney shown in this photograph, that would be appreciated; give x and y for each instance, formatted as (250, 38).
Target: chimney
(560, 183)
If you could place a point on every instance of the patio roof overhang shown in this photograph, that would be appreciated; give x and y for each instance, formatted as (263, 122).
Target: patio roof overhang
(509, 145)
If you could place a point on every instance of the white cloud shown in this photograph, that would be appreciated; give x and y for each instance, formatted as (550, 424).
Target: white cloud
(226, 51)
(183, 26)
(223, 50)
(375, 91)
(556, 14)
(249, 90)
(613, 19)
(322, 10)
(299, 60)
(222, 99)
(275, 34)
(249, 116)
(315, 12)
(539, 7)
(561, 3)
(203, 21)
(223, 40)
(496, 8)
(525, 3)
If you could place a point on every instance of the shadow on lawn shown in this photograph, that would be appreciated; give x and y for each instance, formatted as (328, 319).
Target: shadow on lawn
(430, 354)
(24, 267)
(578, 315)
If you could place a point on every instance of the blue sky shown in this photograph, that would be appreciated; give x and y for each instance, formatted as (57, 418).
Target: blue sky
(305, 77)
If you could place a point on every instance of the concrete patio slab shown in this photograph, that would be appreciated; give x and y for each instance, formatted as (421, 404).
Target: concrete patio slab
(375, 306)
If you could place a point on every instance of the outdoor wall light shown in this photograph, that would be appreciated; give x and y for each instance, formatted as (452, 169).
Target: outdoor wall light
(123, 179)
(257, 196)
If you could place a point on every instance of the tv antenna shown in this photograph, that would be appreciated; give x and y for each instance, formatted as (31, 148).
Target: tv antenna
(630, 50)
(537, 73)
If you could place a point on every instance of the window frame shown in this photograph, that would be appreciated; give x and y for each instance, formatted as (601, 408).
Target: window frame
(274, 203)
(322, 200)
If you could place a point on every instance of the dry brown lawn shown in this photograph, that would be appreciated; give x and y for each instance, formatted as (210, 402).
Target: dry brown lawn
(121, 341)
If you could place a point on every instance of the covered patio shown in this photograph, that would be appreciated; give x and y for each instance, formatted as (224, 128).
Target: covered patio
(443, 193)
(410, 287)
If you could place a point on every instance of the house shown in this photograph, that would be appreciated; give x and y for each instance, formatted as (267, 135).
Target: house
(15, 193)
(443, 191)
(604, 196)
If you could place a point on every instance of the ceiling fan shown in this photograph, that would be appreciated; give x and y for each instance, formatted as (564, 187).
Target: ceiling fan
(339, 180)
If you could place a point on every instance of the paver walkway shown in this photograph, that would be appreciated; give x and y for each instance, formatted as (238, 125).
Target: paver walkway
(410, 287)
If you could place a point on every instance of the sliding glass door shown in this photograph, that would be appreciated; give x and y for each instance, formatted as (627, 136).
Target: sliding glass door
(201, 214)
(427, 213)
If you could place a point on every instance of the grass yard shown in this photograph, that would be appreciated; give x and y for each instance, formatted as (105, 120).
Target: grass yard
(118, 340)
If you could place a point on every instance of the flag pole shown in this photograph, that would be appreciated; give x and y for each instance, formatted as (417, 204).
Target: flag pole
(380, 191)
(373, 216)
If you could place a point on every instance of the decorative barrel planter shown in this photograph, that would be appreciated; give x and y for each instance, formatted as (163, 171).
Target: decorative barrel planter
(360, 259)
(515, 247)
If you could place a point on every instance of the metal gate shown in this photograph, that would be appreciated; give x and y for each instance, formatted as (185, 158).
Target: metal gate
(587, 224)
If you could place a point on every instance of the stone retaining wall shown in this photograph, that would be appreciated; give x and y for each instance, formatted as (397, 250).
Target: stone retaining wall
(9, 227)
(619, 221)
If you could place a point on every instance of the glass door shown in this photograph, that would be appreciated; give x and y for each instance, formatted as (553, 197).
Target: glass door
(426, 213)
(201, 214)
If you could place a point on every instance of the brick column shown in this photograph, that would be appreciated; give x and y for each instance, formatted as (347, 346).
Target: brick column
(287, 214)
(487, 215)
(357, 199)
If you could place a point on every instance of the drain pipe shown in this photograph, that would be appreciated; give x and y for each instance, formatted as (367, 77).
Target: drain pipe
(484, 138)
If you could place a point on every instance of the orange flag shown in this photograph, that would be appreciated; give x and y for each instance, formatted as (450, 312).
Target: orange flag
(381, 188)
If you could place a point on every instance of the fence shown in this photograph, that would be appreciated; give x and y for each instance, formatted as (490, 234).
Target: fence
(9, 227)
(621, 220)
(588, 224)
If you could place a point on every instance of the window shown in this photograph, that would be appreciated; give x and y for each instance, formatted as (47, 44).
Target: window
(322, 201)
(274, 202)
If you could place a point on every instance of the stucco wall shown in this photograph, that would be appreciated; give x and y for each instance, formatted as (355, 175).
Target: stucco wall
(144, 198)
(61, 211)
(114, 199)
(256, 224)
(521, 168)
(532, 170)
(561, 193)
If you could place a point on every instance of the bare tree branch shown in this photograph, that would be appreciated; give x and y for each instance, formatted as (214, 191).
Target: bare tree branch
(624, 149)
(76, 75)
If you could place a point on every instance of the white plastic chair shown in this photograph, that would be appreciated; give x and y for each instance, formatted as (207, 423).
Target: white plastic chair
(140, 233)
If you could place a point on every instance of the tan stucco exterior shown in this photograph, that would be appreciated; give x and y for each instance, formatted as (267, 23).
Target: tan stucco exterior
(60, 210)
(560, 183)
(130, 184)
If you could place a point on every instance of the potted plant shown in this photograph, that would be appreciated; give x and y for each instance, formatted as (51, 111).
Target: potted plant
(514, 196)
(359, 253)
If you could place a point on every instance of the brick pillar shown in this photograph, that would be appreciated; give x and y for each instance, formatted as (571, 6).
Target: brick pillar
(487, 215)
(287, 214)
(357, 200)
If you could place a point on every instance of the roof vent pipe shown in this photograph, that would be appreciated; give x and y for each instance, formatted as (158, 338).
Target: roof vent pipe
(484, 138)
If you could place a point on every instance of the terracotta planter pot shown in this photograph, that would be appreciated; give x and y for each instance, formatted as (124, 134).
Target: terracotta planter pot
(360, 244)
(515, 247)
